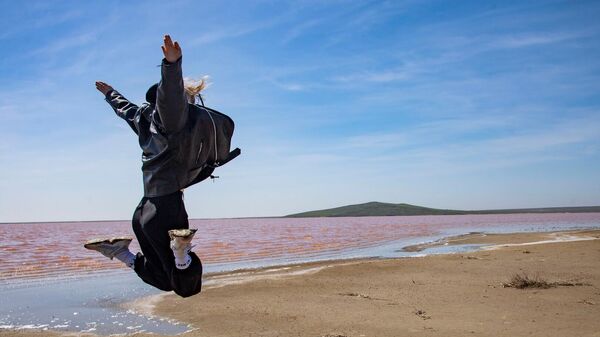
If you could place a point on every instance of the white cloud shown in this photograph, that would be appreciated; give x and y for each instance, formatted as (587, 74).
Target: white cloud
(69, 42)
(406, 71)
(444, 147)
(37, 22)
(230, 31)
(530, 39)
(300, 29)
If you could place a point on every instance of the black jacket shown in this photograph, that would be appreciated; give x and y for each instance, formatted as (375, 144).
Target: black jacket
(171, 133)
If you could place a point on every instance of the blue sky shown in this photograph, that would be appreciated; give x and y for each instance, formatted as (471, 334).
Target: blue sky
(449, 104)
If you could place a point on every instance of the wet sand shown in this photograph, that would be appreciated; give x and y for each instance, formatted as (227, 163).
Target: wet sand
(439, 295)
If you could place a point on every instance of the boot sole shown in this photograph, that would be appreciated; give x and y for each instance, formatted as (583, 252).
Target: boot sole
(94, 242)
(181, 233)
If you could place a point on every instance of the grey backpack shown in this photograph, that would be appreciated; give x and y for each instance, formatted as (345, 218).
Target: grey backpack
(202, 155)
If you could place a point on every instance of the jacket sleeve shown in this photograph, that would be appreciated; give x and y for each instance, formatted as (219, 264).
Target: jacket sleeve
(123, 107)
(171, 102)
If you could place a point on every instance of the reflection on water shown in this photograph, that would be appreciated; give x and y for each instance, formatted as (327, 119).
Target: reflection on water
(88, 304)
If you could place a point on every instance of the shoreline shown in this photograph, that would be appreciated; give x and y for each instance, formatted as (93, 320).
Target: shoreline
(216, 301)
(243, 281)
(460, 294)
(277, 241)
(492, 239)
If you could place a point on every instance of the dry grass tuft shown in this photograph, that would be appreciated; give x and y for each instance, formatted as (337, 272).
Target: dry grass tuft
(524, 281)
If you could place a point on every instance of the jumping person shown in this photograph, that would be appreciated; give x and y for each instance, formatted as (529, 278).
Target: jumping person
(160, 221)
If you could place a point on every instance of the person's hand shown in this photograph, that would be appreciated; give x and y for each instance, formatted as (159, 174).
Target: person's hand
(171, 50)
(103, 87)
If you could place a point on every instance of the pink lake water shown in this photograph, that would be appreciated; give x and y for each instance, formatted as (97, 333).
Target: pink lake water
(54, 250)
(48, 281)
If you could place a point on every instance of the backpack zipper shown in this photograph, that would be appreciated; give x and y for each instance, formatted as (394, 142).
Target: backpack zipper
(215, 129)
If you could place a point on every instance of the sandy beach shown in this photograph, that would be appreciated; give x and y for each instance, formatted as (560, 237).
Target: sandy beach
(463, 294)
(451, 295)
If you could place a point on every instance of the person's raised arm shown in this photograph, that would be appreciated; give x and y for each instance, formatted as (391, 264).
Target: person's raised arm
(122, 106)
(171, 101)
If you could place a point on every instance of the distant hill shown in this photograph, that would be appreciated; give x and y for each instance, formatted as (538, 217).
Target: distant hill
(384, 209)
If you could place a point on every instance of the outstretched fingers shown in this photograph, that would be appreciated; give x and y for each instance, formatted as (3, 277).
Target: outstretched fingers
(167, 40)
(171, 50)
(103, 87)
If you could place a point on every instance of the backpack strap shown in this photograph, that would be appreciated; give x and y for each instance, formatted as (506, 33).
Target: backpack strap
(232, 155)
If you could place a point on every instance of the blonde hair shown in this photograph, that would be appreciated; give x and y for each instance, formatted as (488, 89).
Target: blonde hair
(194, 87)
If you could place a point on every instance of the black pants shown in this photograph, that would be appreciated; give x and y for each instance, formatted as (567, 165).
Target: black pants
(152, 220)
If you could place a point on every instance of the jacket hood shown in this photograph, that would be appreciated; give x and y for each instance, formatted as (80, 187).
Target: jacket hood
(151, 94)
